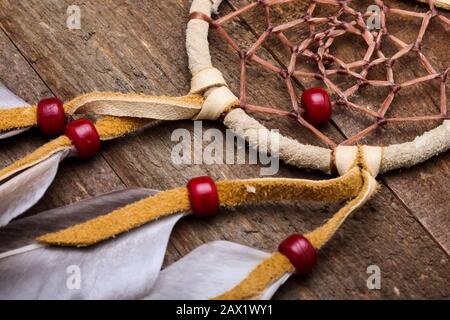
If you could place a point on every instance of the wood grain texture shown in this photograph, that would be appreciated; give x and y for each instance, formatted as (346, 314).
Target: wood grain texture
(139, 46)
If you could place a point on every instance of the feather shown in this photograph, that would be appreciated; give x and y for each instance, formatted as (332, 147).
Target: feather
(23, 190)
(23, 232)
(127, 267)
(214, 268)
(10, 100)
(122, 268)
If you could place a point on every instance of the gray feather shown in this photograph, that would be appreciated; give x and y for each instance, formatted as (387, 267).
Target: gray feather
(122, 268)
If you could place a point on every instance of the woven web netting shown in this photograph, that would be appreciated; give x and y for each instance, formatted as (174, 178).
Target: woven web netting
(315, 46)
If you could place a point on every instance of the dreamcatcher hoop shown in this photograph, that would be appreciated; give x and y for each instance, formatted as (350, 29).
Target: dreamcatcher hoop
(208, 80)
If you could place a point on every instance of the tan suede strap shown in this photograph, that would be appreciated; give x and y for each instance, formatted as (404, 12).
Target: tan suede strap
(277, 265)
(357, 185)
(231, 193)
(121, 220)
(39, 155)
(108, 127)
(16, 118)
(266, 273)
(130, 105)
(136, 105)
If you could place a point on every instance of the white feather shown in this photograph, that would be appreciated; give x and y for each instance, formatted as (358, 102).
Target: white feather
(210, 270)
(122, 268)
(23, 190)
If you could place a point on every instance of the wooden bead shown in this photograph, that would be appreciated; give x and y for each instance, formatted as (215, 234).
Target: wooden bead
(317, 105)
(300, 253)
(84, 137)
(51, 118)
(203, 196)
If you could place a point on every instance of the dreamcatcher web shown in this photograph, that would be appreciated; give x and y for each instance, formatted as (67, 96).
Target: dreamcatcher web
(333, 27)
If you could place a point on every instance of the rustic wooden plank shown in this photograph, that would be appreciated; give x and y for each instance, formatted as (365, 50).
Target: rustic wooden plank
(152, 60)
(428, 199)
(76, 180)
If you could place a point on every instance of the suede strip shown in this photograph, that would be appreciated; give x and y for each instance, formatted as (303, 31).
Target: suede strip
(231, 193)
(267, 272)
(121, 220)
(17, 118)
(113, 104)
(136, 105)
(320, 236)
(40, 154)
(277, 265)
(356, 184)
(110, 127)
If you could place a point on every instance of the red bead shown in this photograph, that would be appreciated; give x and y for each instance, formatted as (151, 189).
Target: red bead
(317, 105)
(300, 253)
(203, 196)
(84, 137)
(51, 118)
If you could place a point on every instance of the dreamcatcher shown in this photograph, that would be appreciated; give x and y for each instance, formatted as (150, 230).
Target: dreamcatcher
(245, 273)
